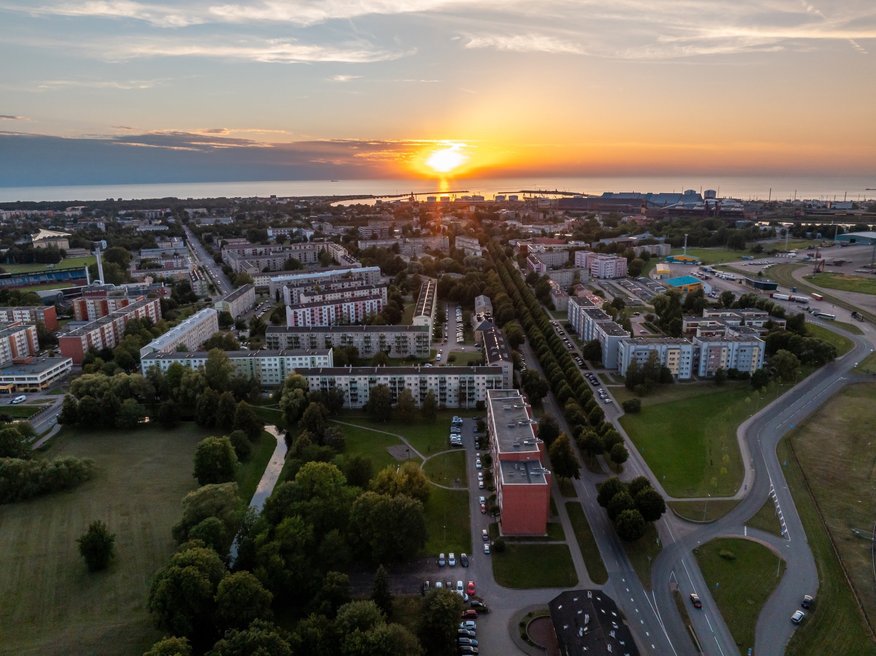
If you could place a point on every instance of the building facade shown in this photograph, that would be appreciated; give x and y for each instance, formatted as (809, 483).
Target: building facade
(238, 302)
(190, 334)
(608, 266)
(18, 341)
(44, 314)
(741, 353)
(674, 353)
(334, 313)
(106, 332)
(395, 341)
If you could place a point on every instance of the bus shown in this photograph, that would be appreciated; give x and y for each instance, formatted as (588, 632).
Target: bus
(817, 297)
(824, 315)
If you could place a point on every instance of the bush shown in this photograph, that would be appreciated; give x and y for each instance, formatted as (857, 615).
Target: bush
(242, 445)
(632, 406)
(726, 554)
(499, 545)
(96, 546)
(25, 479)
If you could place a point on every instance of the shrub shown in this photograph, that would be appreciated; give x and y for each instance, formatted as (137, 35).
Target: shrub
(96, 546)
(726, 554)
(24, 479)
(632, 406)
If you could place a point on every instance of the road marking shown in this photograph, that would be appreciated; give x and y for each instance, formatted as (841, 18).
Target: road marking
(719, 645)
(709, 623)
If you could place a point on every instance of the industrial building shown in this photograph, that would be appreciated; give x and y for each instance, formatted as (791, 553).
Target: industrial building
(684, 284)
(857, 238)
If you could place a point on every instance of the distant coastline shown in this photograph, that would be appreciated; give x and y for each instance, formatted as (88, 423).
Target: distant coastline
(743, 187)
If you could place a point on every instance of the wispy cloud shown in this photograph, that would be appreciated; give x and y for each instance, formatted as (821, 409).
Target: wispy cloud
(524, 43)
(344, 78)
(158, 15)
(122, 85)
(11, 117)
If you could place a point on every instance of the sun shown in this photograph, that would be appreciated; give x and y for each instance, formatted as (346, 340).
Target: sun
(447, 159)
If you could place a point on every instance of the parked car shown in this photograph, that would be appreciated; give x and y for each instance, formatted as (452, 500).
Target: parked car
(807, 602)
(467, 649)
(487, 548)
(463, 559)
(469, 614)
(460, 588)
(485, 536)
(695, 600)
(470, 588)
(483, 509)
(798, 616)
(442, 561)
(466, 641)
(465, 633)
(479, 606)
(471, 625)
(451, 559)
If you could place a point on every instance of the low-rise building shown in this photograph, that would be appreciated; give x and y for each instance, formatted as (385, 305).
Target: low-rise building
(395, 341)
(33, 375)
(521, 480)
(483, 305)
(190, 334)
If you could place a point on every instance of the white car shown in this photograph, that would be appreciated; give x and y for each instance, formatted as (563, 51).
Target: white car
(478, 464)
(451, 559)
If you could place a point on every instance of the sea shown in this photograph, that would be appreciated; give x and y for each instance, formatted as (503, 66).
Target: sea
(825, 188)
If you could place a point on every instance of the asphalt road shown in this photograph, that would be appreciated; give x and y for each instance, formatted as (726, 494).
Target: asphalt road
(220, 280)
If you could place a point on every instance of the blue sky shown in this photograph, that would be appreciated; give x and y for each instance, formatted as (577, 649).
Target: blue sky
(340, 88)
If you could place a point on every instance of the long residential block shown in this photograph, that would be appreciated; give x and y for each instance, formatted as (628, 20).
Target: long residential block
(395, 341)
(107, 331)
(190, 334)
(44, 314)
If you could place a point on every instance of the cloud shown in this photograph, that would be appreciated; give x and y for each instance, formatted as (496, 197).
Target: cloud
(157, 15)
(344, 78)
(277, 51)
(122, 85)
(11, 117)
(524, 43)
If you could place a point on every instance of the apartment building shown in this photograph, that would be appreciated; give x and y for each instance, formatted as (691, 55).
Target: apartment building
(608, 266)
(277, 280)
(247, 257)
(44, 314)
(726, 352)
(238, 302)
(589, 323)
(190, 334)
(453, 387)
(334, 313)
(521, 480)
(468, 245)
(18, 341)
(269, 367)
(107, 331)
(427, 303)
(94, 305)
(395, 341)
(674, 353)
(497, 353)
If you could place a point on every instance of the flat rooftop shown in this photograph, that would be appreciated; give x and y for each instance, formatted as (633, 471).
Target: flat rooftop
(681, 281)
(237, 293)
(589, 622)
(596, 314)
(346, 329)
(252, 355)
(527, 472)
(612, 328)
(511, 424)
(400, 371)
(34, 367)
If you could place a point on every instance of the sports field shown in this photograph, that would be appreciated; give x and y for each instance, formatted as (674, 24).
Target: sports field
(49, 603)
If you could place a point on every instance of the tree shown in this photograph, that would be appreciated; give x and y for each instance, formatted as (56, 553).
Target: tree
(315, 419)
(630, 525)
(514, 335)
(380, 592)
(760, 379)
(619, 454)
(534, 385)
(438, 621)
(635, 267)
(69, 411)
(241, 599)
(129, 415)
(13, 443)
(387, 529)
(182, 596)
(408, 479)
(620, 502)
(429, 409)
(592, 351)
(720, 376)
(242, 445)
(563, 459)
(727, 298)
(379, 406)
(406, 407)
(650, 504)
(548, 429)
(590, 443)
(608, 489)
(259, 638)
(333, 593)
(226, 410)
(170, 647)
(246, 420)
(219, 501)
(785, 364)
(215, 461)
(632, 406)
(292, 403)
(168, 415)
(96, 546)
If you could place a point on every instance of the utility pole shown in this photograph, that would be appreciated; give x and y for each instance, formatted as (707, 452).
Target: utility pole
(685, 244)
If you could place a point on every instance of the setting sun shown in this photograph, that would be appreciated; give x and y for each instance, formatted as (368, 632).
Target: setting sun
(446, 159)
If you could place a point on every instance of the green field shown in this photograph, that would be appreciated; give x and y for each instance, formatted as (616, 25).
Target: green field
(447, 469)
(69, 263)
(46, 594)
(642, 553)
(447, 521)
(868, 364)
(712, 255)
(461, 358)
(249, 473)
(587, 543)
(702, 511)
(833, 489)
(370, 444)
(700, 455)
(426, 437)
(514, 567)
(844, 282)
(20, 411)
(741, 584)
(841, 344)
(766, 519)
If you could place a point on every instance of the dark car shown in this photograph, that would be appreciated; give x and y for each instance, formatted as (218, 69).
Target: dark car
(479, 606)
(463, 559)
(465, 633)
(807, 602)
(695, 600)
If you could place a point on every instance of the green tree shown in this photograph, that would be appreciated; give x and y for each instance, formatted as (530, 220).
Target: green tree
(406, 407)
(408, 479)
(182, 596)
(438, 621)
(632, 406)
(429, 410)
(608, 489)
(220, 501)
(13, 443)
(563, 459)
(592, 351)
(213, 533)
(548, 429)
(168, 415)
(620, 502)
(630, 525)
(786, 365)
(96, 546)
(292, 403)
(170, 647)
(242, 445)
(215, 461)
(69, 411)
(590, 443)
(387, 529)
(726, 298)
(129, 415)
(534, 385)
(760, 379)
(333, 593)
(261, 638)
(241, 599)
(246, 420)
(619, 454)
(379, 406)
(650, 504)
(380, 592)
(226, 409)
(720, 376)
(218, 370)
(315, 419)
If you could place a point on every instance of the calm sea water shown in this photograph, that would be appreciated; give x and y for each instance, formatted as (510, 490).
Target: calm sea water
(742, 187)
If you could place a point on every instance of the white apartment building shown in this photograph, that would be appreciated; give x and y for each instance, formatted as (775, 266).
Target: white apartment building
(191, 333)
(674, 353)
(741, 353)
(334, 313)
(18, 341)
(469, 245)
(427, 303)
(239, 301)
(270, 368)
(453, 387)
(608, 266)
(277, 280)
(395, 341)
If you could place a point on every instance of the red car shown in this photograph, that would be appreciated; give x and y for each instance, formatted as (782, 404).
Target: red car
(469, 614)
(470, 588)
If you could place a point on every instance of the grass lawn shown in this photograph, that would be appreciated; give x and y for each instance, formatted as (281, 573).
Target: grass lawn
(675, 391)
(740, 585)
(447, 469)
(69, 263)
(514, 567)
(566, 487)
(844, 282)
(554, 534)
(46, 593)
(848, 327)
(699, 456)
(868, 364)
(702, 511)
(249, 473)
(766, 519)
(642, 552)
(270, 415)
(20, 411)
(366, 443)
(426, 437)
(834, 450)
(586, 543)
(712, 255)
(448, 521)
(461, 358)
(841, 344)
